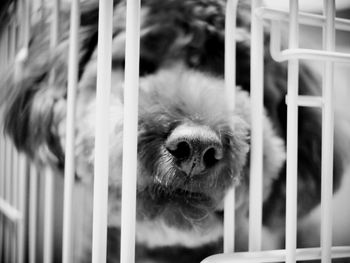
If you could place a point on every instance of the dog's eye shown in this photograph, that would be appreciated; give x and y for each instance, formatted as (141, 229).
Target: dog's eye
(147, 66)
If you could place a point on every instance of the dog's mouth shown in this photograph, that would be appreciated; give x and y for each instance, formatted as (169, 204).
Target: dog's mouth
(178, 195)
(189, 196)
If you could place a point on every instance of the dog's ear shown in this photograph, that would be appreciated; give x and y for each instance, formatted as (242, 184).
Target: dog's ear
(32, 106)
(25, 100)
(28, 108)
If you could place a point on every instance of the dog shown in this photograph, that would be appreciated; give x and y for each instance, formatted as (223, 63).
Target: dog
(192, 147)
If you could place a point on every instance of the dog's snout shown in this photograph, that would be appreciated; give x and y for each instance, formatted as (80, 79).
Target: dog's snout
(194, 148)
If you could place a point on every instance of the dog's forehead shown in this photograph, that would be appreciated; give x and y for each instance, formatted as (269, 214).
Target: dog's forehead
(185, 95)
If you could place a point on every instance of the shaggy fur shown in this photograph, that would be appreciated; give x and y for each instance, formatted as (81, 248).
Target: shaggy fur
(179, 216)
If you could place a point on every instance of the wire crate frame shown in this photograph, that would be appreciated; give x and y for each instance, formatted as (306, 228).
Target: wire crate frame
(16, 174)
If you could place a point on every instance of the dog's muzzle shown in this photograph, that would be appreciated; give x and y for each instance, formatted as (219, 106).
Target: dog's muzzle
(195, 148)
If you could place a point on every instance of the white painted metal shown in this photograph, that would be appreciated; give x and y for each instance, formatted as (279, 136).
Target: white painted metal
(3, 61)
(14, 186)
(292, 137)
(230, 83)
(3, 50)
(9, 155)
(256, 154)
(327, 135)
(33, 208)
(304, 18)
(302, 53)
(69, 171)
(309, 101)
(48, 215)
(132, 52)
(22, 162)
(275, 255)
(311, 54)
(2, 188)
(48, 174)
(22, 189)
(14, 174)
(101, 168)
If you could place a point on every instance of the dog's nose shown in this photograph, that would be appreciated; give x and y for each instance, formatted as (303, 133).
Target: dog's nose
(195, 148)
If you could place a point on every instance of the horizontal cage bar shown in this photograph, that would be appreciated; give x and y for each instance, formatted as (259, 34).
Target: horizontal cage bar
(276, 255)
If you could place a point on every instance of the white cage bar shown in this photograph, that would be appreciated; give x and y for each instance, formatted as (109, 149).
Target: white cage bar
(69, 172)
(327, 134)
(256, 161)
(33, 190)
(104, 64)
(275, 255)
(22, 190)
(292, 137)
(230, 83)
(131, 90)
(48, 174)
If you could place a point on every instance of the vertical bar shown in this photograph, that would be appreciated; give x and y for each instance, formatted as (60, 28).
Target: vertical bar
(104, 66)
(22, 162)
(26, 22)
(256, 155)
(292, 137)
(14, 236)
(33, 189)
(48, 215)
(22, 206)
(327, 135)
(229, 221)
(132, 52)
(69, 171)
(1, 50)
(2, 190)
(15, 155)
(83, 207)
(49, 180)
(8, 193)
(230, 83)
(8, 160)
(9, 154)
(14, 170)
(2, 152)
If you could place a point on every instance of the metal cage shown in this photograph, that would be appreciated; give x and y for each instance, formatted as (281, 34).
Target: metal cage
(27, 193)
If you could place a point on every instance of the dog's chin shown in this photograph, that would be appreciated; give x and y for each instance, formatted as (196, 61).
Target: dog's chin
(181, 201)
(176, 207)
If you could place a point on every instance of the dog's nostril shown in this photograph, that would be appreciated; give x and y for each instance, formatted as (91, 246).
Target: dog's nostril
(211, 156)
(195, 148)
(180, 150)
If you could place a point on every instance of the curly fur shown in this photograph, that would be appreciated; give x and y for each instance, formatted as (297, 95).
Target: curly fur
(181, 69)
